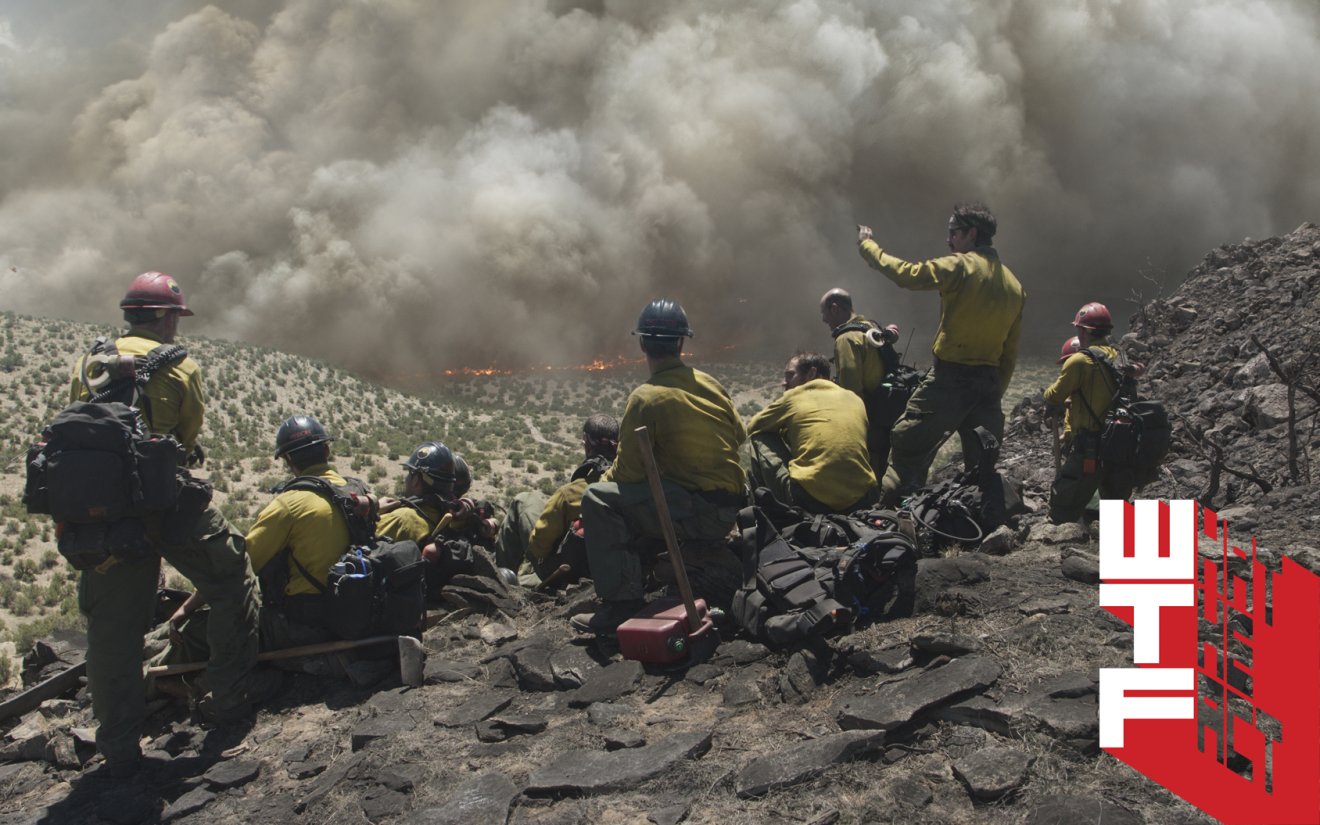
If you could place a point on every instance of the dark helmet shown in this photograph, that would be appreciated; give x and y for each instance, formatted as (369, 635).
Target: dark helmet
(663, 318)
(299, 431)
(433, 460)
(462, 476)
(155, 290)
(1094, 316)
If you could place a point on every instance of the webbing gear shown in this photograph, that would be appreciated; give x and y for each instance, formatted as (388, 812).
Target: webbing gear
(110, 376)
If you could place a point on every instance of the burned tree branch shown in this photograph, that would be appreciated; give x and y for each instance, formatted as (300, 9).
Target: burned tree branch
(1214, 454)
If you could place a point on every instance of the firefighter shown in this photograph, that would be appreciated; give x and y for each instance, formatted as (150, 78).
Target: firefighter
(696, 434)
(118, 598)
(528, 542)
(975, 347)
(313, 531)
(809, 446)
(427, 491)
(861, 367)
(1081, 396)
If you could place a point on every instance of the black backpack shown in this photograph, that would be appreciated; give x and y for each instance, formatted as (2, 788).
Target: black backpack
(377, 587)
(839, 572)
(101, 476)
(971, 505)
(1136, 432)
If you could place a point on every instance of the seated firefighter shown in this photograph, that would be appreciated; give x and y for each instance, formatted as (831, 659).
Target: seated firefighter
(1082, 395)
(809, 446)
(467, 525)
(534, 545)
(696, 434)
(428, 491)
(296, 538)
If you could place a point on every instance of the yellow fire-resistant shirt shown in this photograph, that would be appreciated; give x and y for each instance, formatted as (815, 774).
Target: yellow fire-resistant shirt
(407, 523)
(824, 426)
(1084, 382)
(857, 365)
(562, 508)
(177, 403)
(980, 304)
(694, 430)
(306, 522)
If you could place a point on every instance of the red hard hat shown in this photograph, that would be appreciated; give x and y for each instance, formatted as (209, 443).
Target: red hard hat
(1094, 315)
(1070, 348)
(155, 290)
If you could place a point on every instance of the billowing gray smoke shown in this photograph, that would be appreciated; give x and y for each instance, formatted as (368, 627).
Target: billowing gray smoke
(404, 186)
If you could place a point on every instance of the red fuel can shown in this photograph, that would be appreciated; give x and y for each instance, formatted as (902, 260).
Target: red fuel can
(659, 633)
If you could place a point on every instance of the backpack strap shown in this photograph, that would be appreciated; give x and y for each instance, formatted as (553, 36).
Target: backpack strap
(1110, 373)
(341, 499)
(853, 326)
(592, 469)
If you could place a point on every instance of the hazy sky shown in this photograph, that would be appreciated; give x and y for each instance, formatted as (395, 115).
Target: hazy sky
(403, 186)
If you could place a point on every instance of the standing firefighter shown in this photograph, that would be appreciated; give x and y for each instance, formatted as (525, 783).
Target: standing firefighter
(118, 597)
(1086, 387)
(696, 434)
(975, 347)
(861, 366)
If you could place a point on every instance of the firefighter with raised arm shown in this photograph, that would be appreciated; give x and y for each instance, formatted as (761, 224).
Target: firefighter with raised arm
(975, 346)
(118, 597)
(1081, 396)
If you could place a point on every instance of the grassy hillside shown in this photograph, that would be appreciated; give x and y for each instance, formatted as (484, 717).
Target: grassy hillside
(517, 432)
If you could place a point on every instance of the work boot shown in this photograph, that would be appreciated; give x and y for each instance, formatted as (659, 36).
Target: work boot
(606, 620)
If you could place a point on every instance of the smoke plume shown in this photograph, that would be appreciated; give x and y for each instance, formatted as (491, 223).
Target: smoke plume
(401, 186)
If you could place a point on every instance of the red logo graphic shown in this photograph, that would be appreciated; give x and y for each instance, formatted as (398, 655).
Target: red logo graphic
(1228, 719)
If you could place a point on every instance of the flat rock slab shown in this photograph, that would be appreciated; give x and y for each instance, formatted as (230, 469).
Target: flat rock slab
(483, 800)
(980, 712)
(992, 773)
(439, 671)
(890, 660)
(617, 679)
(1071, 533)
(741, 652)
(582, 771)
(1080, 569)
(572, 666)
(1070, 809)
(606, 714)
(807, 760)
(532, 667)
(944, 644)
(473, 710)
(231, 774)
(190, 803)
(1068, 718)
(895, 705)
(500, 728)
(384, 727)
(1051, 604)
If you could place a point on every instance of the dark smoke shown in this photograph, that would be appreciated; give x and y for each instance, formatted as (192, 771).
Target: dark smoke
(405, 186)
